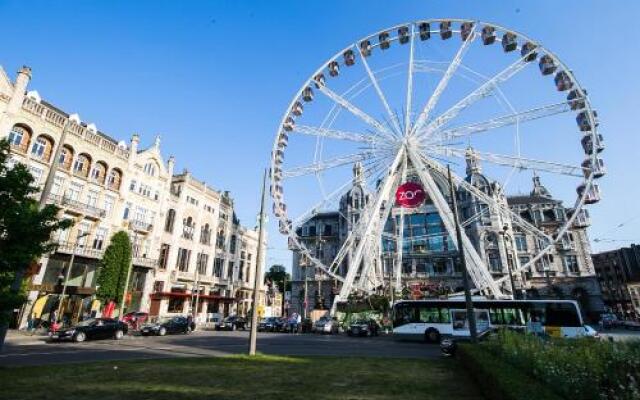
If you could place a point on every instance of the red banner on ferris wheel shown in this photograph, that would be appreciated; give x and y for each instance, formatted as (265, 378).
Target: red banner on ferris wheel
(410, 195)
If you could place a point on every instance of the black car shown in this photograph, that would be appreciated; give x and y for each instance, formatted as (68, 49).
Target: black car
(232, 324)
(270, 324)
(363, 328)
(168, 325)
(93, 328)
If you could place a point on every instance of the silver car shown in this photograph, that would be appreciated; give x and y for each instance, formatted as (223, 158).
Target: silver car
(326, 325)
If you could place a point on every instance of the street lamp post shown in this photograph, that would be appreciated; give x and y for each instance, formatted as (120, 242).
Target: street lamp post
(68, 273)
(257, 278)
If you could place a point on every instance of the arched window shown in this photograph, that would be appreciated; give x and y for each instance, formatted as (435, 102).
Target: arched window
(171, 217)
(114, 179)
(98, 172)
(19, 138)
(150, 169)
(205, 234)
(66, 157)
(188, 227)
(81, 165)
(42, 148)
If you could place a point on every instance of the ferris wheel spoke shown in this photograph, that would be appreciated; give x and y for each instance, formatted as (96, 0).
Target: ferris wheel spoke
(479, 93)
(505, 120)
(374, 81)
(478, 270)
(503, 209)
(407, 118)
(381, 130)
(369, 172)
(518, 162)
(336, 134)
(444, 81)
(331, 163)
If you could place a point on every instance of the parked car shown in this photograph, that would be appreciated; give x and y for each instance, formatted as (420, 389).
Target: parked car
(306, 326)
(135, 318)
(326, 325)
(269, 324)
(367, 327)
(167, 325)
(609, 321)
(91, 329)
(231, 324)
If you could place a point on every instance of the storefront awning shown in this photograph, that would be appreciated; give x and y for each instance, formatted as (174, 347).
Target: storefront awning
(160, 295)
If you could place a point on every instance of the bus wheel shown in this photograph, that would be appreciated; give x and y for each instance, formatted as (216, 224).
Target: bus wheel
(432, 335)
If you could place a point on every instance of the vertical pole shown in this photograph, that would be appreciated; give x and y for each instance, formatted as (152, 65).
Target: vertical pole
(471, 316)
(195, 310)
(257, 278)
(306, 294)
(284, 291)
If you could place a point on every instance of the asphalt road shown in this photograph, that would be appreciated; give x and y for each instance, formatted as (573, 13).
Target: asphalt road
(33, 350)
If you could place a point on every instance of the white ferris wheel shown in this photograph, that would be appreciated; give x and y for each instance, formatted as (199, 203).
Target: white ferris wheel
(405, 103)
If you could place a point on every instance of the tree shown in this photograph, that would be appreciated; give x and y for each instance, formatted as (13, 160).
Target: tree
(25, 232)
(114, 268)
(277, 274)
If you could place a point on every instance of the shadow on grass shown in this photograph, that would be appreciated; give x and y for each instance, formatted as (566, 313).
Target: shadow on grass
(242, 377)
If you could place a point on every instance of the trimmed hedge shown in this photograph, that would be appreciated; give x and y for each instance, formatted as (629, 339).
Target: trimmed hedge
(499, 380)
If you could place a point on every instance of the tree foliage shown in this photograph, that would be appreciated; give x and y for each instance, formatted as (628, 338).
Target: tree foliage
(277, 274)
(25, 229)
(114, 268)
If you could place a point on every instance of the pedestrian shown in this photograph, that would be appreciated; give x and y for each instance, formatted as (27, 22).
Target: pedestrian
(298, 323)
(30, 322)
(190, 324)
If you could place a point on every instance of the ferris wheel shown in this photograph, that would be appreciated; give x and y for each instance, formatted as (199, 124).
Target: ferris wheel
(402, 105)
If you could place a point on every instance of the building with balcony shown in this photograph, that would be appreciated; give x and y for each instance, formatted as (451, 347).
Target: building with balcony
(618, 273)
(185, 237)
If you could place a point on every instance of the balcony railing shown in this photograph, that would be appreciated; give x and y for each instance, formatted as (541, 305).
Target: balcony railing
(79, 250)
(141, 225)
(76, 205)
(145, 262)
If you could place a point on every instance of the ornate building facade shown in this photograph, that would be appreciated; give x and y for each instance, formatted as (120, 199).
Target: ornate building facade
(187, 244)
(429, 260)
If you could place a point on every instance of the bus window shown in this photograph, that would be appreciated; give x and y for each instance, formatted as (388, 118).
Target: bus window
(513, 317)
(429, 315)
(496, 316)
(403, 315)
(459, 320)
(445, 317)
(562, 314)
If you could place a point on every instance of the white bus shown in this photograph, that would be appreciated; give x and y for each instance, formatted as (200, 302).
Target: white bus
(430, 319)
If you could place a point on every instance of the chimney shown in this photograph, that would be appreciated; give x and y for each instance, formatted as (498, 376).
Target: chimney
(171, 165)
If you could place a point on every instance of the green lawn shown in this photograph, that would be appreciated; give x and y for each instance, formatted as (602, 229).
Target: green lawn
(263, 377)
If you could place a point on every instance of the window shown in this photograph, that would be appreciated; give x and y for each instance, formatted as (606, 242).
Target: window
(176, 304)
(171, 217)
(108, 204)
(127, 210)
(98, 240)
(113, 180)
(37, 174)
(164, 256)
(205, 234)
(440, 267)
(149, 169)
(132, 185)
(521, 242)
(183, 259)
(58, 183)
(495, 263)
(96, 173)
(73, 191)
(241, 270)
(83, 229)
(202, 261)
(188, 226)
(571, 264)
(92, 198)
(218, 265)
(66, 155)
(158, 286)
(39, 147)
(81, 165)
(17, 135)
(141, 214)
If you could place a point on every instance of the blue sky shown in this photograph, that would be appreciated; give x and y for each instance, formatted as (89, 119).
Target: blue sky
(214, 78)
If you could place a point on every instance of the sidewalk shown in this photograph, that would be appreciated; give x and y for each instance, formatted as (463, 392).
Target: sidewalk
(24, 338)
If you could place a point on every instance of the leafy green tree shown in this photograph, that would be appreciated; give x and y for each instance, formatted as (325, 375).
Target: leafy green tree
(277, 274)
(114, 268)
(25, 232)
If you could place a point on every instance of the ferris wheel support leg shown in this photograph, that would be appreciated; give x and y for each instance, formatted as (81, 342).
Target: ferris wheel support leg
(478, 270)
(400, 238)
(372, 216)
